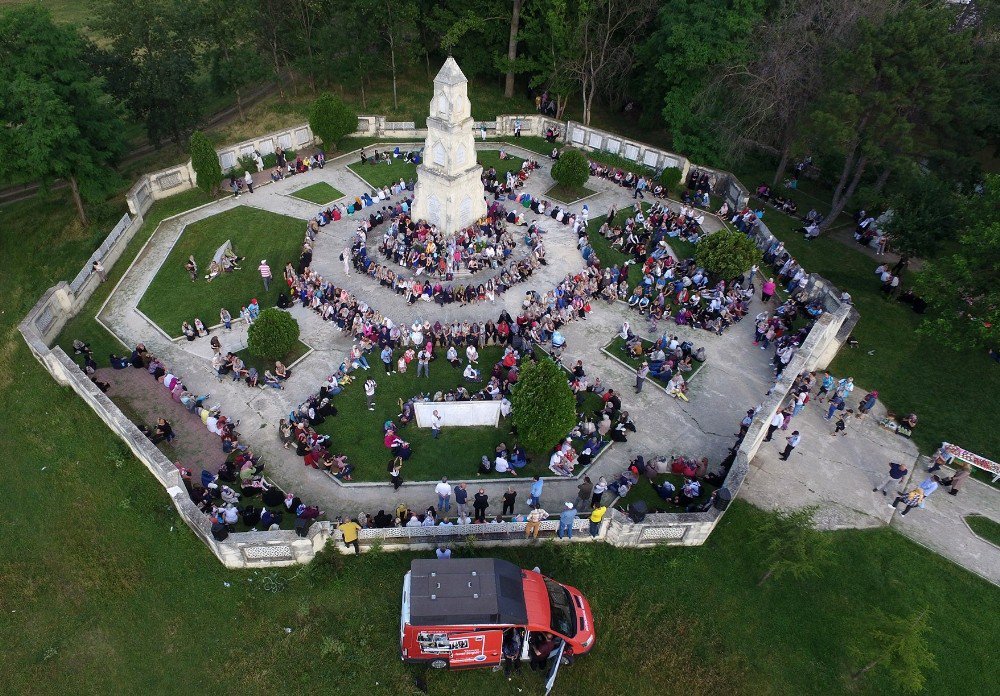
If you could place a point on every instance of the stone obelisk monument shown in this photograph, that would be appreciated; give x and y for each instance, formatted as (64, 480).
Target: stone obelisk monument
(449, 190)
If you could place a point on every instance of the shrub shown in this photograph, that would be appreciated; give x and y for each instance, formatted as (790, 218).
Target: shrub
(331, 119)
(205, 162)
(271, 160)
(273, 334)
(670, 177)
(571, 169)
(544, 407)
(727, 254)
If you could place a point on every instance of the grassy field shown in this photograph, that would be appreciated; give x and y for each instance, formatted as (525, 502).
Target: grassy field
(319, 193)
(108, 575)
(617, 349)
(357, 432)
(911, 371)
(256, 234)
(985, 527)
(645, 492)
(386, 174)
(567, 194)
(297, 351)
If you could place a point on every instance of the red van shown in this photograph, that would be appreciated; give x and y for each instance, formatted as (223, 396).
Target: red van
(455, 612)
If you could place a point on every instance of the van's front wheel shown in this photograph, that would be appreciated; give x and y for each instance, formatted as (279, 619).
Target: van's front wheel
(439, 664)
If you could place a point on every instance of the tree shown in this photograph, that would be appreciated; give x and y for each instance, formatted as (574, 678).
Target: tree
(544, 409)
(961, 288)
(156, 44)
(552, 49)
(205, 162)
(925, 212)
(792, 544)
(572, 169)
(395, 23)
(273, 334)
(898, 643)
(608, 32)
(58, 120)
(232, 54)
(331, 119)
(671, 178)
(677, 89)
(896, 85)
(727, 254)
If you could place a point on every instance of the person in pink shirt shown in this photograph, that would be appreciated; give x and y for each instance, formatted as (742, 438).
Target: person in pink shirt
(767, 290)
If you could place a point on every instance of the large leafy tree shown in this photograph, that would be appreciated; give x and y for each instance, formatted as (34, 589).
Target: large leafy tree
(56, 120)
(690, 42)
(205, 161)
(544, 409)
(727, 254)
(550, 38)
(892, 88)
(331, 119)
(961, 288)
(157, 44)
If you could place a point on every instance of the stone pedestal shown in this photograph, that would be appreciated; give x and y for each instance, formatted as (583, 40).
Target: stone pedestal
(449, 191)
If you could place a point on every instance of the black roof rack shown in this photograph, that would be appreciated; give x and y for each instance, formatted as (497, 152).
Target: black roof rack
(466, 591)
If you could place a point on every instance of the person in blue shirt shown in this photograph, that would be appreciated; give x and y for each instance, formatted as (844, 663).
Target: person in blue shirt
(566, 518)
(535, 497)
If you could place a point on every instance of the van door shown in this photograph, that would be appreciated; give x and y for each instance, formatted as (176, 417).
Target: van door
(554, 669)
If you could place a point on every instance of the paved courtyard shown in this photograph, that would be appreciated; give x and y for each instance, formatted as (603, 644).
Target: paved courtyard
(836, 474)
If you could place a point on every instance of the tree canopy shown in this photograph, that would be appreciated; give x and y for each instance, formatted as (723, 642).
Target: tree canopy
(331, 119)
(59, 122)
(544, 409)
(205, 162)
(572, 168)
(273, 334)
(727, 254)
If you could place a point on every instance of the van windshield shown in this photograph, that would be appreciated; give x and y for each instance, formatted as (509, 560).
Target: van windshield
(561, 604)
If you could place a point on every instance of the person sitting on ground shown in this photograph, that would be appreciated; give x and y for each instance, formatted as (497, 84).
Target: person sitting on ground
(471, 374)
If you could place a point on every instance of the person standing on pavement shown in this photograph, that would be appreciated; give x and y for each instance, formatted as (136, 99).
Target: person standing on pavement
(265, 274)
(640, 376)
(916, 496)
(959, 478)
(436, 424)
(443, 491)
(461, 498)
(535, 498)
(508, 501)
(566, 518)
(586, 492)
(897, 472)
(345, 256)
(595, 520)
(534, 521)
(370, 386)
(599, 488)
(479, 504)
(793, 441)
(776, 422)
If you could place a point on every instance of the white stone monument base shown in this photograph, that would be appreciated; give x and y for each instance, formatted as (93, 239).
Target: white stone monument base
(458, 413)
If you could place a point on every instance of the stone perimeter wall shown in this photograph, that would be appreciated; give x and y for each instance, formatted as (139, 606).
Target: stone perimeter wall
(61, 302)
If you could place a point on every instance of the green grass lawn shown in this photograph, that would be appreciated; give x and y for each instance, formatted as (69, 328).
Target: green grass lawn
(985, 527)
(99, 573)
(357, 432)
(382, 174)
(644, 491)
(319, 193)
(911, 371)
(617, 349)
(567, 194)
(297, 351)
(256, 234)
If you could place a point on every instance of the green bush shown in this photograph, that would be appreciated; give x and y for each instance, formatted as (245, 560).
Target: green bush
(544, 407)
(273, 334)
(271, 160)
(205, 162)
(331, 119)
(572, 169)
(246, 164)
(670, 177)
(727, 254)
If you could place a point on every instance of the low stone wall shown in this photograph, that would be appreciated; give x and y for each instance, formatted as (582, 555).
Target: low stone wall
(46, 319)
